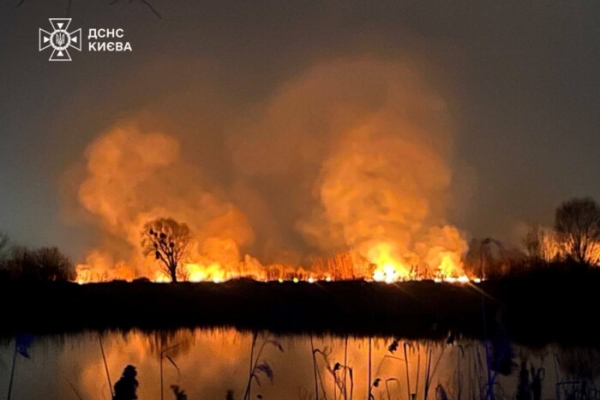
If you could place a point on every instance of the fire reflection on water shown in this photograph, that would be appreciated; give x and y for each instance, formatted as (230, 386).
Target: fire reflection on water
(209, 363)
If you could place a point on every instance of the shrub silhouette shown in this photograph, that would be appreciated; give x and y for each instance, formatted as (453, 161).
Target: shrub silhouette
(126, 386)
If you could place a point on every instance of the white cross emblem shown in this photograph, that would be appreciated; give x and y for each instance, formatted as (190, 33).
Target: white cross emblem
(60, 40)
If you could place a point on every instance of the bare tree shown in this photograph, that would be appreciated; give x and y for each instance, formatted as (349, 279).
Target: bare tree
(577, 223)
(167, 240)
(43, 264)
(55, 265)
(541, 244)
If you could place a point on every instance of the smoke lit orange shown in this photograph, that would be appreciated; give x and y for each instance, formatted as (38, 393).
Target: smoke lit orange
(359, 179)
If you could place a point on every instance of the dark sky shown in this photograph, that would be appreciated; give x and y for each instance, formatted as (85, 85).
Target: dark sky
(521, 81)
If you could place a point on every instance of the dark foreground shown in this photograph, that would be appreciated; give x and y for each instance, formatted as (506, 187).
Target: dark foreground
(535, 309)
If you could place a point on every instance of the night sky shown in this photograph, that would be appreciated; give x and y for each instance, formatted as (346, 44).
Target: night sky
(520, 80)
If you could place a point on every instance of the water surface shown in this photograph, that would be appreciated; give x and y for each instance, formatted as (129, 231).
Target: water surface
(206, 364)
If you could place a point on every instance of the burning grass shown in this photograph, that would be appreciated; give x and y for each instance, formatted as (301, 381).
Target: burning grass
(341, 267)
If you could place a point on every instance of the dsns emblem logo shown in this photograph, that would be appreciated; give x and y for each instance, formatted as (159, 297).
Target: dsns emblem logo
(60, 39)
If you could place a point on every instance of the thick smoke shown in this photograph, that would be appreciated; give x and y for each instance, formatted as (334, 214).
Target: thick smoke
(349, 156)
(134, 177)
(384, 186)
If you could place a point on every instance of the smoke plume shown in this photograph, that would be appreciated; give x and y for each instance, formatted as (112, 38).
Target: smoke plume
(350, 156)
(134, 177)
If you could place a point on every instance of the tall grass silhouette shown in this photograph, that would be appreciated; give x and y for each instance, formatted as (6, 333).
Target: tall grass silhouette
(259, 366)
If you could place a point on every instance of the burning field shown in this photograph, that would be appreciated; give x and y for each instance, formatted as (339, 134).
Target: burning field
(345, 171)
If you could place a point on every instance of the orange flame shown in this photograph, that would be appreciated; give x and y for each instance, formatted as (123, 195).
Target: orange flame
(382, 266)
(380, 171)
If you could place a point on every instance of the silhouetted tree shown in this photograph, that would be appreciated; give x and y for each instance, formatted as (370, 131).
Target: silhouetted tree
(541, 244)
(167, 240)
(577, 223)
(44, 264)
(126, 386)
(55, 266)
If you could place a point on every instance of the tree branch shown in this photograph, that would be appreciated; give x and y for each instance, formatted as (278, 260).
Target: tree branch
(154, 11)
(151, 8)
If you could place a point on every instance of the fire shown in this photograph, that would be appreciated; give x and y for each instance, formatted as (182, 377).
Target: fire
(447, 266)
(545, 244)
(344, 172)
(160, 277)
(200, 273)
(388, 268)
(383, 266)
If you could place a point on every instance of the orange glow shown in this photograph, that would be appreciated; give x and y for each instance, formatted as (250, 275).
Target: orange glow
(382, 266)
(380, 183)
(199, 273)
(216, 356)
(388, 268)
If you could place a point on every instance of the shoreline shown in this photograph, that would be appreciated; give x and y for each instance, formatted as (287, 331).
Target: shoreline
(533, 311)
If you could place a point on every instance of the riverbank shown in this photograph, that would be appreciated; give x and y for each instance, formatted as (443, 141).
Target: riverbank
(535, 309)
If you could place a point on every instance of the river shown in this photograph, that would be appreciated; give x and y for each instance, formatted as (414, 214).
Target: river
(207, 364)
